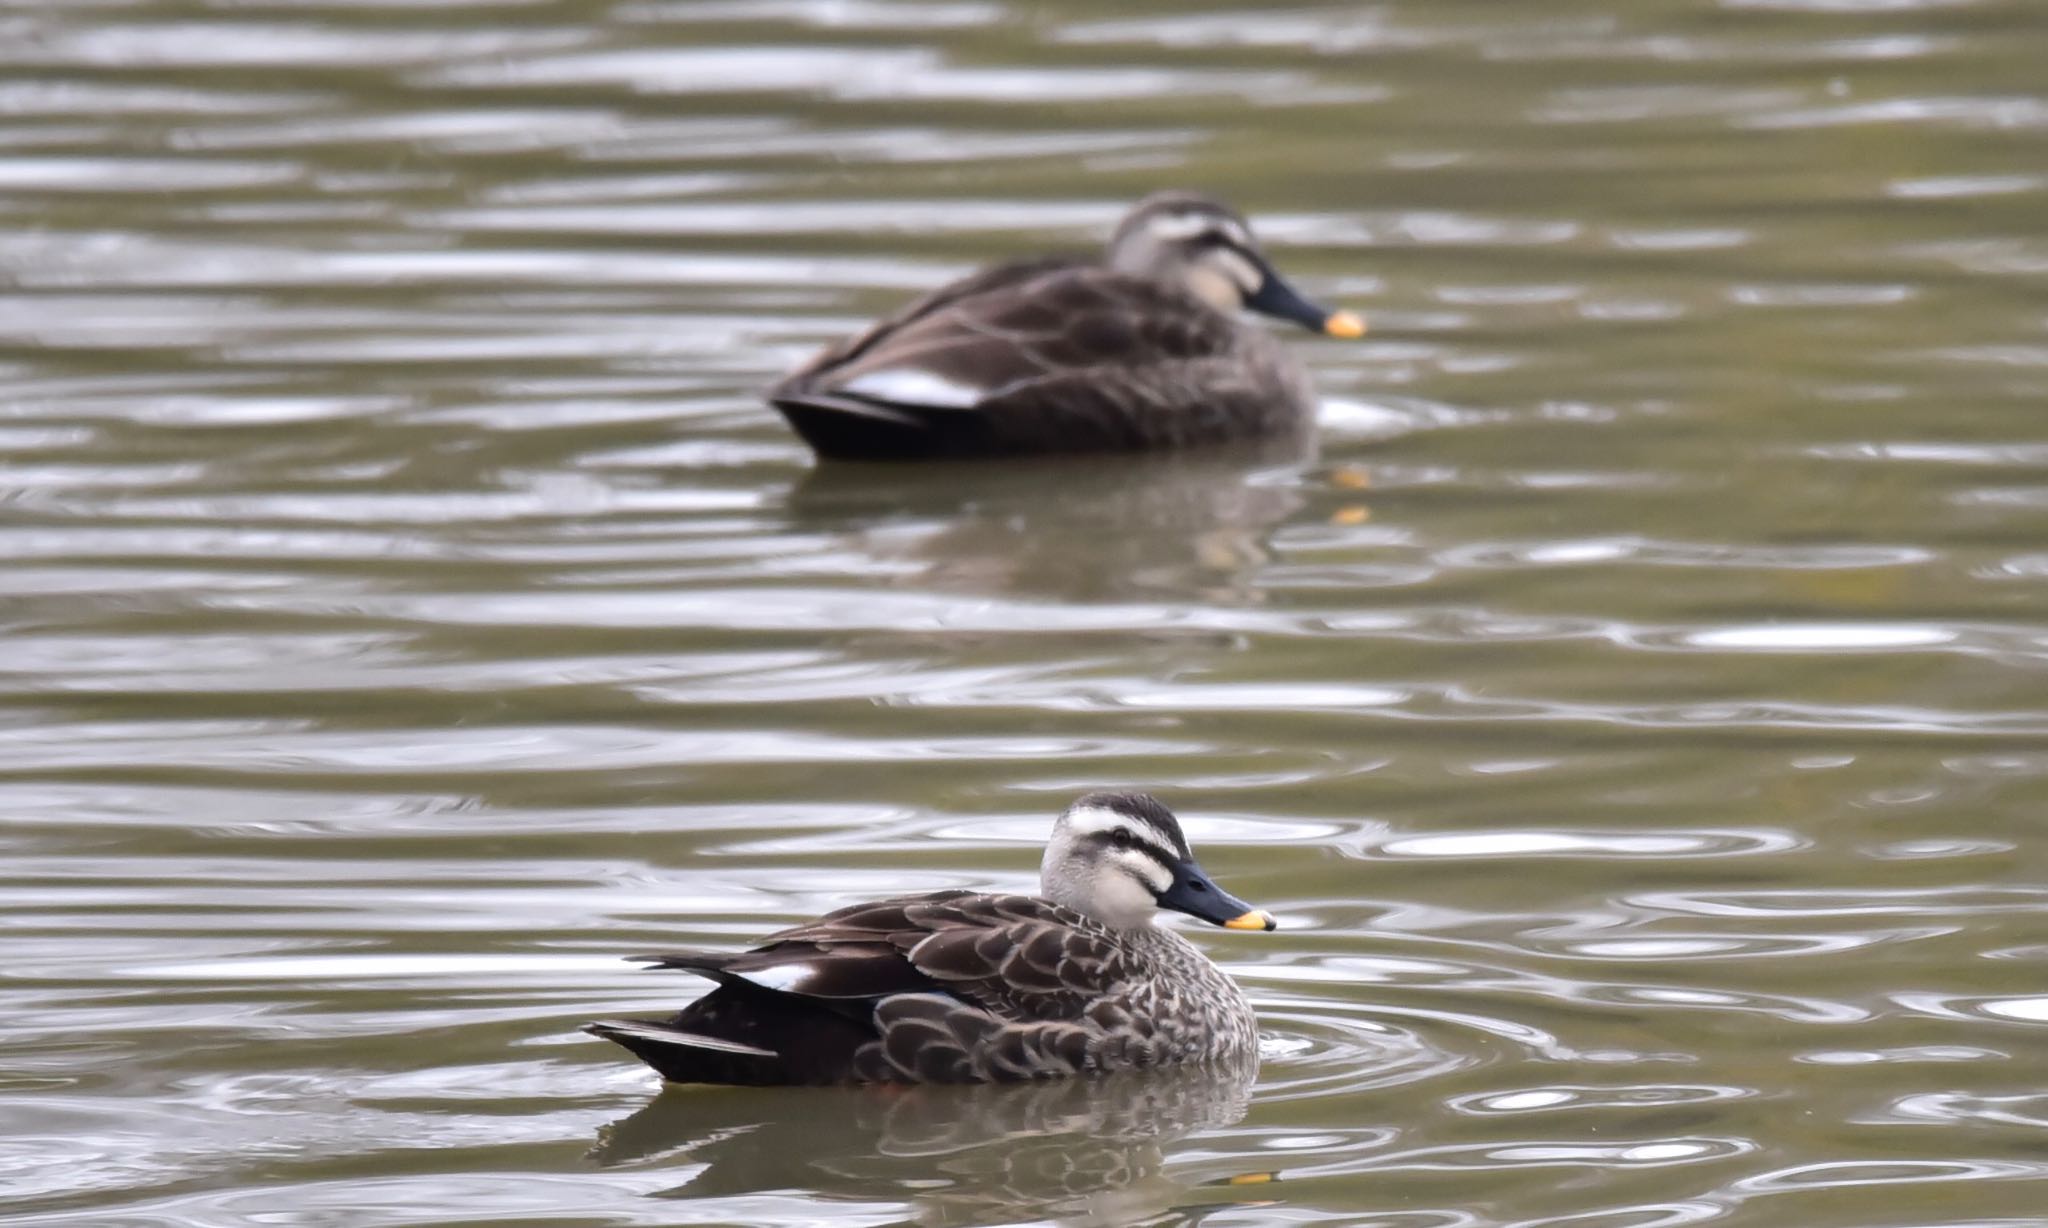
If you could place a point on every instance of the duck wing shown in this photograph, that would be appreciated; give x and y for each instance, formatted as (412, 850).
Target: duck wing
(953, 987)
(999, 277)
(1017, 957)
(1011, 987)
(972, 365)
(1020, 958)
(853, 956)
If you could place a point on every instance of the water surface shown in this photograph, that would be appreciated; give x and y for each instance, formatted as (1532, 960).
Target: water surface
(1635, 716)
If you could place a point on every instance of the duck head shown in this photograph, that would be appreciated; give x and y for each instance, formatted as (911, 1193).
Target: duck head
(1200, 243)
(1120, 858)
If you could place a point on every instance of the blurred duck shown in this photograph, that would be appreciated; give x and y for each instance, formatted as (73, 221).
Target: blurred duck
(970, 987)
(1141, 351)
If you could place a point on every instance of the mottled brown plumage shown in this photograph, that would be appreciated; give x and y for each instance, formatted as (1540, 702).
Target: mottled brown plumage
(1141, 351)
(970, 987)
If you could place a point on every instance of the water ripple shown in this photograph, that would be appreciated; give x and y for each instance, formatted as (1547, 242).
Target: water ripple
(1632, 715)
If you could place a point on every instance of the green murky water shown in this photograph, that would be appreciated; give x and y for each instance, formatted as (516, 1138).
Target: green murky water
(1637, 716)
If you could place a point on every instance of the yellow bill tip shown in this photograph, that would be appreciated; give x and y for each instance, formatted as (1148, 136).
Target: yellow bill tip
(1345, 324)
(1256, 919)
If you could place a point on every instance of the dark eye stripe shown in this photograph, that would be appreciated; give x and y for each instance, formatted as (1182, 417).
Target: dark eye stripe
(1143, 841)
(1167, 847)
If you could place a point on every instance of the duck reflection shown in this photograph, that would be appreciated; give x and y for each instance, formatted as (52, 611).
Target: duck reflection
(1077, 528)
(1077, 1151)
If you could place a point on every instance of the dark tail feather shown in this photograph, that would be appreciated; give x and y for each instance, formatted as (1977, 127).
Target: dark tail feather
(744, 1033)
(705, 963)
(845, 428)
(850, 406)
(688, 1057)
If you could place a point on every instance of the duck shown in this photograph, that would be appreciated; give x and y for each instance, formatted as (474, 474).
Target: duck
(977, 987)
(1141, 350)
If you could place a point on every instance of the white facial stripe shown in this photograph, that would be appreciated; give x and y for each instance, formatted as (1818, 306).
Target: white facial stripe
(1174, 227)
(1242, 271)
(1093, 820)
(1148, 869)
(1100, 821)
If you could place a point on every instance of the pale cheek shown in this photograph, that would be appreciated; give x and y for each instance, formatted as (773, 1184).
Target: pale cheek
(1128, 902)
(1241, 272)
(1152, 878)
(1157, 880)
(1216, 289)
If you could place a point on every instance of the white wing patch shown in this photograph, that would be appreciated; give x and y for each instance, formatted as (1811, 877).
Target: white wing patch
(783, 978)
(688, 1040)
(910, 386)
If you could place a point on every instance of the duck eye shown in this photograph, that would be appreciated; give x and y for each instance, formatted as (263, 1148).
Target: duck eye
(1121, 837)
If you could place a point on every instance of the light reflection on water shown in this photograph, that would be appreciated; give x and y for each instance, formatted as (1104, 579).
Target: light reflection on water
(1632, 714)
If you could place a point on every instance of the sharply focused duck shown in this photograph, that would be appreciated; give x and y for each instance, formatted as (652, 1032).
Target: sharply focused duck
(971, 987)
(1140, 351)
